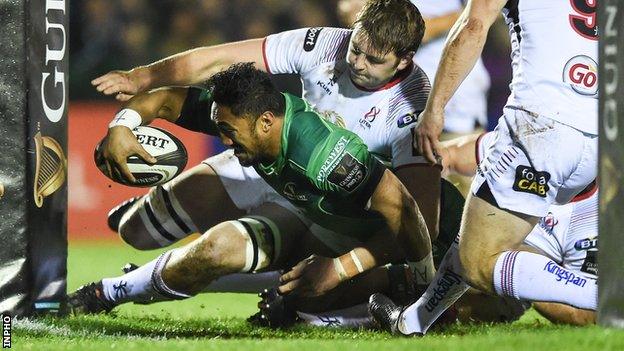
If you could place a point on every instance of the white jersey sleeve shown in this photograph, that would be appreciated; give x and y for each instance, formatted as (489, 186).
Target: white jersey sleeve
(405, 106)
(301, 50)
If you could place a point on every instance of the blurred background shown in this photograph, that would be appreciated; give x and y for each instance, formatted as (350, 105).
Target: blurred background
(120, 34)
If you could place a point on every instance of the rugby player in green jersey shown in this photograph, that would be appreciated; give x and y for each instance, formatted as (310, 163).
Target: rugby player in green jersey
(325, 171)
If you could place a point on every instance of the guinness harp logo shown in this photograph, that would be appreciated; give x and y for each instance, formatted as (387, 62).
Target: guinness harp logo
(50, 167)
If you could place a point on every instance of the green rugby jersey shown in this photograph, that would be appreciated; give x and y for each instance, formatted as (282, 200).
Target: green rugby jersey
(326, 171)
(324, 201)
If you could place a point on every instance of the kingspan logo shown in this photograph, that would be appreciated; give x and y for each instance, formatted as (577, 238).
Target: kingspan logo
(563, 274)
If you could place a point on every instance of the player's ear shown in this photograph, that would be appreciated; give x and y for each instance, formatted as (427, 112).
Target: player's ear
(266, 121)
(405, 60)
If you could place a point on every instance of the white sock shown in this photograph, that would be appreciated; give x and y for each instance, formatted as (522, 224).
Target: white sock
(529, 276)
(144, 284)
(351, 317)
(447, 287)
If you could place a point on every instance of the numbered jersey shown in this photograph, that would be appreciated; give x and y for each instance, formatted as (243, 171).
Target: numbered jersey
(383, 118)
(555, 60)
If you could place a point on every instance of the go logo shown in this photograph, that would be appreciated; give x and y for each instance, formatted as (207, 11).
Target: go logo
(581, 73)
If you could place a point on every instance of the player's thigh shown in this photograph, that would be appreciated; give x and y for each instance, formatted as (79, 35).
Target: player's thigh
(201, 193)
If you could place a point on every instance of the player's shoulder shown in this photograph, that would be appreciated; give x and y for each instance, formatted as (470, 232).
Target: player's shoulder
(417, 80)
(327, 43)
(409, 97)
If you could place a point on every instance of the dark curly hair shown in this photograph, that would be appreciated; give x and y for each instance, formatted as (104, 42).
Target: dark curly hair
(247, 91)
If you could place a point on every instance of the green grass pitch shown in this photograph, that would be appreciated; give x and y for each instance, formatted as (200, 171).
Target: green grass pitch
(217, 322)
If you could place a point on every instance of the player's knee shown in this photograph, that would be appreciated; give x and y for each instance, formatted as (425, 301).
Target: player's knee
(220, 245)
(247, 243)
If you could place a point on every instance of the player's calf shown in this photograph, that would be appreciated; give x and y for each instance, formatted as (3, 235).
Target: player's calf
(157, 220)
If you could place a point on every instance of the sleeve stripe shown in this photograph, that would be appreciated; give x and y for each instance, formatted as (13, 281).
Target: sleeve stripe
(264, 56)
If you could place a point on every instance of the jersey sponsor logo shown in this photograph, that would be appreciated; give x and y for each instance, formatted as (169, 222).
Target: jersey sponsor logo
(548, 223)
(442, 287)
(583, 21)
(369, 117)
(290, 192)
(590, 265)
(310, 39)
(348, 174)
(586, 244)
(331, 160)
(562, 274)
(581, 73)
(327, 86)
(407, 119)
(528, 180)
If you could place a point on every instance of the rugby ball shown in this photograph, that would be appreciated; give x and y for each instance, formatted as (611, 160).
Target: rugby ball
(168, 150)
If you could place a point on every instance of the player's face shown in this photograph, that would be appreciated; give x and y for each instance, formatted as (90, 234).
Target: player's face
(239, 134)
(369, 68)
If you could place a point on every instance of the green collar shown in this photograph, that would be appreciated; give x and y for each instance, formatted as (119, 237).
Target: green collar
(276, 166)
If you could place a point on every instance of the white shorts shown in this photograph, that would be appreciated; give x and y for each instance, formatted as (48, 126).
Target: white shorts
(243, 184)
(248, 191)
(539, 162)
(568, 235)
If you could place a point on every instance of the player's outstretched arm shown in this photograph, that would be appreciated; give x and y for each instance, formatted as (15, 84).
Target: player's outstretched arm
(317, 275)
(190, 67)
(120, 142)
(463, 47)
(403, 218)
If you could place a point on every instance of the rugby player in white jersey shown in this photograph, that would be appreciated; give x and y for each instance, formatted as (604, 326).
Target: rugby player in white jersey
(363, 79)
(568, 235)
(466, 111)
(545, 152)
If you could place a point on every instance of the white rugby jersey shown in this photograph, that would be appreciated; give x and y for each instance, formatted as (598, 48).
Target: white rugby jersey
(469, 103)
(383, 118)
(568, 234)
(554, 56)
